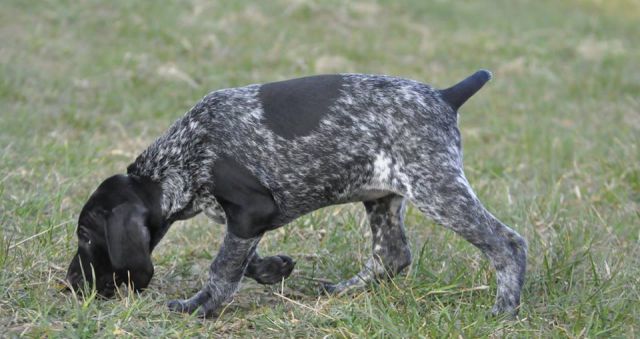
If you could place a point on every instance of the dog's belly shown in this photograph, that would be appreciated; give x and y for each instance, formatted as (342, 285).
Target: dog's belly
(300, 190)
(295, 208)
(365, 195)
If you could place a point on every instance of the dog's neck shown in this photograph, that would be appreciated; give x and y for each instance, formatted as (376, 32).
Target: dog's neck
(173, 162)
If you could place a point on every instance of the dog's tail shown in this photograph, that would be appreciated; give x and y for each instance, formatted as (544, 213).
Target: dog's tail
(458, 94)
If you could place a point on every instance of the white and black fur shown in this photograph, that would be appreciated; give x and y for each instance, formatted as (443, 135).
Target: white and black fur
(260, 156)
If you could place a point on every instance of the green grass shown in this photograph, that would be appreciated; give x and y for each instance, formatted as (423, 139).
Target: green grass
(551, 147)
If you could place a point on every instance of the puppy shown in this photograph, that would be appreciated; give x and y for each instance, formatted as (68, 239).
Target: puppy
(260, 156)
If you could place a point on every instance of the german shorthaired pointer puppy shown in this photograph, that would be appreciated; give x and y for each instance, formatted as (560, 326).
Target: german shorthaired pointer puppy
(260, 156)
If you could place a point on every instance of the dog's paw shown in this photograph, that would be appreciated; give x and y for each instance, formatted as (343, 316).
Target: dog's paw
(270, 270)
(508, 313)
(336, 289)
(343, 287)
(190, 307)
(329, 289)
(182, 306)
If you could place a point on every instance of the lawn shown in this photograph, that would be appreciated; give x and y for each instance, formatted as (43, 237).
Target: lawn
(551, 148)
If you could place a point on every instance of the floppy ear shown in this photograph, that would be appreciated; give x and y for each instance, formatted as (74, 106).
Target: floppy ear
(128, 242)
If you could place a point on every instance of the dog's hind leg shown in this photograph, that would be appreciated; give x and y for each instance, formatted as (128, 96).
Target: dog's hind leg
(447, 197)
(390, 253)
(269, 270)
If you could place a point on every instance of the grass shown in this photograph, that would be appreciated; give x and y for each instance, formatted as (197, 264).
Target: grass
(551, 147)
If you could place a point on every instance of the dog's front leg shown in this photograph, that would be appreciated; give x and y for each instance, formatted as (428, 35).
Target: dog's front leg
(225, 274)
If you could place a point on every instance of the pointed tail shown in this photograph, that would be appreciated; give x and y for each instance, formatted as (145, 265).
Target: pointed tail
(458, 94)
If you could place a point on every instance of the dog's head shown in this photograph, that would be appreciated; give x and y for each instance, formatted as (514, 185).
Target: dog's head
(114, 236)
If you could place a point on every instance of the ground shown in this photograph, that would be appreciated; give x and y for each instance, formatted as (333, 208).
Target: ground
(551, 147)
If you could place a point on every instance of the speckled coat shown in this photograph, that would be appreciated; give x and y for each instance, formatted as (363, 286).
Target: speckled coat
(262, 155)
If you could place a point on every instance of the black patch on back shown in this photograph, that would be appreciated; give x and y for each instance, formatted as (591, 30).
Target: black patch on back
(293, 108)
